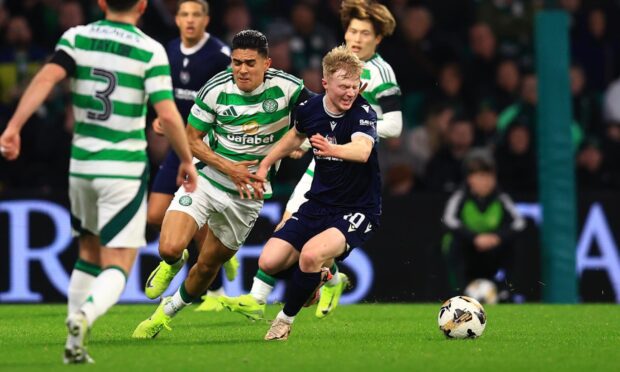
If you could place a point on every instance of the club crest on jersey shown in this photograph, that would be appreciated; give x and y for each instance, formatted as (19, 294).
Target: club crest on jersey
(185, 77)
(185, 200)
(270, 105)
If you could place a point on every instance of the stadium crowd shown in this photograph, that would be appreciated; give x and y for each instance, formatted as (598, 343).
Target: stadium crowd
(465, 67)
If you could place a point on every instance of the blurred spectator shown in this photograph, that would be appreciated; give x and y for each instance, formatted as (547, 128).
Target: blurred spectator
(19, 60)
(591, 174)
(595, 50)
(482, 67)
(392, 152)
(482, 224)
(507, 81)
(424, 141)
(524, 110)
(586, 106)
(485, 134)
(158, 20)
(516, 161)
(512, 22)
(576, 15)
(451, 90)
(236, 18)
(311, 40)
(399, 180)
(71, 14)
(445, 170)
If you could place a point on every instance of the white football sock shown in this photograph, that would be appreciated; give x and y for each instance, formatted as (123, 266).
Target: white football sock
(260, 290)
(105, 292)
(176, 304)
(286, 318)
(216, 292)
(335, 280)
(80, 285)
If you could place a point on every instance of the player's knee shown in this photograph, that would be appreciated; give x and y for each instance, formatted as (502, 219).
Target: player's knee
(268, 265)
(310, 260)
(170, 250)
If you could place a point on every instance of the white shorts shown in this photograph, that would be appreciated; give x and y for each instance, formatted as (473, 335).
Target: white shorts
(112, 208)
(297, 197)
(229, 217)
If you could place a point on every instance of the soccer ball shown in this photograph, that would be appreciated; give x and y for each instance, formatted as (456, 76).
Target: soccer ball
(462, 317)
(483, 290)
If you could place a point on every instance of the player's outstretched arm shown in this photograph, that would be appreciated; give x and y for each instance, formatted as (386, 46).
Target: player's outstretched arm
(173, 128)
(36, 92)
(238, 172)
(358, 150)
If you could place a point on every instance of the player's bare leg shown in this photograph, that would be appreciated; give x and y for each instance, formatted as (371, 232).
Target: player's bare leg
(177, 231)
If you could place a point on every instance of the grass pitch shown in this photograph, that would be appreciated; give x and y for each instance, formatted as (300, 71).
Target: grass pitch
(358, 337)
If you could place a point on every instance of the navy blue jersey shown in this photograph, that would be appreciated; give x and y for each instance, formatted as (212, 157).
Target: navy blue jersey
(191, 71)
(337, 183)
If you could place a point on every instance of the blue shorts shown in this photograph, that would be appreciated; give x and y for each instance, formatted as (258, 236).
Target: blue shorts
(166, 179)
(312, 219)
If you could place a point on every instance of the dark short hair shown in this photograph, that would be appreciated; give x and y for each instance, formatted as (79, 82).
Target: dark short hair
(121, 5)
(251, 39)
(203, 3)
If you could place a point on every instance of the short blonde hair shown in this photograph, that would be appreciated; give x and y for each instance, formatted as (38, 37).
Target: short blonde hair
(368, 10)
(341, 58)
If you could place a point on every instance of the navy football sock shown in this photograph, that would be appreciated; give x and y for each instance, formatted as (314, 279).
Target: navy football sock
(303, 285)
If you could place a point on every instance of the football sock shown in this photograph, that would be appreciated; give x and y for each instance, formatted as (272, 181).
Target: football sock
(82, 278)
(303, 285)
(335, 280)
(286, 318)
(179, 300)
(105, 292)
(262, 286)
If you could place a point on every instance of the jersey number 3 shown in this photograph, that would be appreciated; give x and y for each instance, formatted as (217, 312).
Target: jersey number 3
(103, 95)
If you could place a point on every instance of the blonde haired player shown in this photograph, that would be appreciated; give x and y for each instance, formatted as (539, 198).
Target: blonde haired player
(366, 23)
(114, 67)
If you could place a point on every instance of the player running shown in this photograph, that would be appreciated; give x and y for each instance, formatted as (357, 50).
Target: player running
(237, 118)
(366, 23)
(195, 57)
(114, 67)
(344, 201)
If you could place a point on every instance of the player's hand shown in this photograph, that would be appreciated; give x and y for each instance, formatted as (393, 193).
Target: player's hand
(297, 154)
(157, 127)
(10, 144)
(486, 242)
(187, 176)
(242, 177)
(259, 186)
(322, 147)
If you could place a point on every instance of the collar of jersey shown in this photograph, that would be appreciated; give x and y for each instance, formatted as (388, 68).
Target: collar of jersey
(331, 114)
(191, 50)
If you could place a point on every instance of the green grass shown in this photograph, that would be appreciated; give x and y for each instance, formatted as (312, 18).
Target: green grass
(361, 337)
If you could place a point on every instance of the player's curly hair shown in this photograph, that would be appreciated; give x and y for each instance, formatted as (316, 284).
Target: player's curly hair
(121, 5)
(342, 58)
(368, 10)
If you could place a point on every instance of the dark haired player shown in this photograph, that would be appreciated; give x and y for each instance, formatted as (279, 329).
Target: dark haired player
(195, 57)
(237, 118)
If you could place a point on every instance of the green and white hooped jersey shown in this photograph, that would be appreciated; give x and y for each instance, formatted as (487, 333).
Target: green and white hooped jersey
(240, 125)
(117, 68)
(381, 81)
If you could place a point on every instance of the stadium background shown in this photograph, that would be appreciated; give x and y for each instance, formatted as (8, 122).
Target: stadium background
(446, 61)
